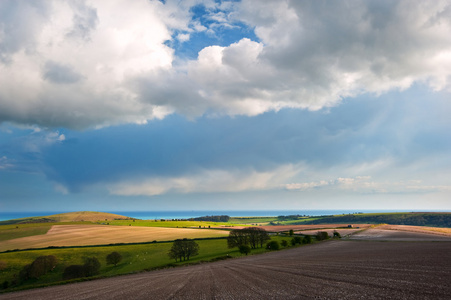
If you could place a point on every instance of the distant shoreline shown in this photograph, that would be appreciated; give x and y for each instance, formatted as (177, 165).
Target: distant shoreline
(149, 215)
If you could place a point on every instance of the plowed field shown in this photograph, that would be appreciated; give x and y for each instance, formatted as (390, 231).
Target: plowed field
(328, 270)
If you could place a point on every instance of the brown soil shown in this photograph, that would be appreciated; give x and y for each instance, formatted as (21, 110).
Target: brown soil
(381, 234)
(328, 270)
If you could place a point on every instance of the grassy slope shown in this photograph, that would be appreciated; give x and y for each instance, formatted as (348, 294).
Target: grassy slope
(169, 224)
(135, 258)
(78, 216)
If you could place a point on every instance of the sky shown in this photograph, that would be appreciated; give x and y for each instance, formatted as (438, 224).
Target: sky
(126, 105)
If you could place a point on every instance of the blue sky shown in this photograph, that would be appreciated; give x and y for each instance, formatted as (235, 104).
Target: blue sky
(168, 105)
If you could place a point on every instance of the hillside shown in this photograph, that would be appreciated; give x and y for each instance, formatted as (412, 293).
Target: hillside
(413, 218)
(90, 216)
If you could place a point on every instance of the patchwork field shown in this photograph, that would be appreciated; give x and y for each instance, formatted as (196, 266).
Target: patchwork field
(82, 235)
(329, 270)
(284, 228)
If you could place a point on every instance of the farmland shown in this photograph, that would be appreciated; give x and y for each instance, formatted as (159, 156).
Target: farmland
(83, 235)
(329, 270)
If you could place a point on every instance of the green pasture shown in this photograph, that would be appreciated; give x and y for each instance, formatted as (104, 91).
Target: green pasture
(135, 258)
(14, 231)
(169, 224)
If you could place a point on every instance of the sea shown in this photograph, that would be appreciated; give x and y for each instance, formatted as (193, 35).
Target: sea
(151, 215)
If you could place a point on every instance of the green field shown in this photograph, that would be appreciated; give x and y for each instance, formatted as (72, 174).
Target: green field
(169, 224)
(136, 258)
(8, 232)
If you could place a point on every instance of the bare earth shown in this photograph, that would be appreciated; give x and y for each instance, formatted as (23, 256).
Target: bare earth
(82, 235)
(381, 234)
(343, 269)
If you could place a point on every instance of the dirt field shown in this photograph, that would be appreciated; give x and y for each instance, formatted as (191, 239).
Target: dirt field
(421, 229)
(381, 234)
(81, 235)
(329, 270)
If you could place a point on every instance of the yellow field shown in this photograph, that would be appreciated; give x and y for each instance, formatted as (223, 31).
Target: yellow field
(83, 235)
(85, 216)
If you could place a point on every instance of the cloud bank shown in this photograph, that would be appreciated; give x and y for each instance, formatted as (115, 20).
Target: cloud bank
(84, 64)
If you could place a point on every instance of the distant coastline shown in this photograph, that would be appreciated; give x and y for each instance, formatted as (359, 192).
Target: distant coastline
(149, 215)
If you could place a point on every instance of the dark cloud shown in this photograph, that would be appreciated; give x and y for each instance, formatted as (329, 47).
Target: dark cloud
(60, 74)
(357, 132)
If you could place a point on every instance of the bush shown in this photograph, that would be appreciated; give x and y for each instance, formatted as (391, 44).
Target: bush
(5, 285)
(291, 232)
(337, 234)
(307, 239)
(113, 258)
(284, 243)
(293, 242)
(273, 245)
(322, 235)
(244, 249)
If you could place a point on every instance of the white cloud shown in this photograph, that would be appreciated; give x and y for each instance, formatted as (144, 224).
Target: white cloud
(206, 181)
(96, 63)
(5, 163)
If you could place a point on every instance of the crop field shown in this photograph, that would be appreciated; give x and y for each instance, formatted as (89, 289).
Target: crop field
(81, 235)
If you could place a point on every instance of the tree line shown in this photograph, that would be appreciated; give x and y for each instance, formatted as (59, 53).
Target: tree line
(221, 218)
(413, 219)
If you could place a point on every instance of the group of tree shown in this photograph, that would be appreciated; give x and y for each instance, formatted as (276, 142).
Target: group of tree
(289, 217)
(40, 266)
(90, 267)
(221, 218)
(183, 249)
(307, 239)
(250, 236)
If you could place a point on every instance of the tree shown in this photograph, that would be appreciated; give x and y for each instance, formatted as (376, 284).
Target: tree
(322, 235)
(245, 249)
(237, 238)
(183, 249)
(91, 266)
(273, 245)
(291, 233)
(73, 271)
(40, 266)
(113, 258)
(252, 236)
(337, 234)
(284, 243)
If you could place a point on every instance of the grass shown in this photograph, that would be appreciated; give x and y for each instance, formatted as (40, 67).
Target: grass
(169, 224)
(136, 258)
(9, 232)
